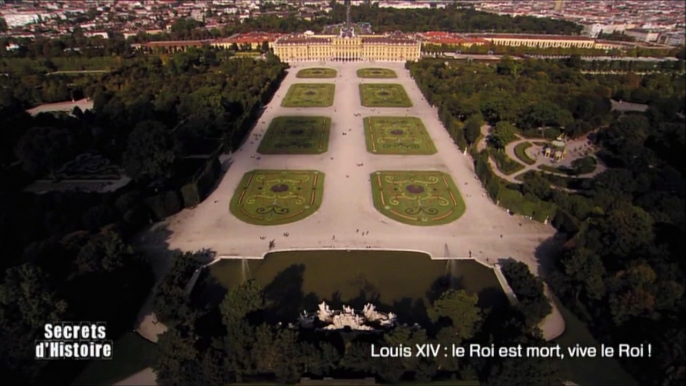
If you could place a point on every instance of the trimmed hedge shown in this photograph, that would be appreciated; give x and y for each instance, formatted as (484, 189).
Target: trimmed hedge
(506, 197)
(565, 222)
(454, 127)
(529, 291)
(201, 185)
(165, 204)
(504, 163)
(171, 301)
(520, 152)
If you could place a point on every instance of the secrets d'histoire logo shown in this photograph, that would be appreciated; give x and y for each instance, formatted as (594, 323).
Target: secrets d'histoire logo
(74, 340)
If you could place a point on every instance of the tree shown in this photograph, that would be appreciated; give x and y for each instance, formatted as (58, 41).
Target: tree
(177, 363)
(472, 129)
(408, 337)
(537, 185)
(320, 359)
(240, 301)
(26, 295)
(44, 149)
(507, 66)
(586, 271)
(105, 252)
(529, 290)
(356, 357)
(574, 61)
(172, 303)
(547, 114)
(502, 134)
(631, 303)
(625, 229)
(151, 152)
(526, 372)
(457, 309)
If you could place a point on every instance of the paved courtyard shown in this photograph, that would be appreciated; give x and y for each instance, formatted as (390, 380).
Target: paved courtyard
(347, 217)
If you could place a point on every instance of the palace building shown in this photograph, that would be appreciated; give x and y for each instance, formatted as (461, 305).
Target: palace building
(538, 40)
(347, 46)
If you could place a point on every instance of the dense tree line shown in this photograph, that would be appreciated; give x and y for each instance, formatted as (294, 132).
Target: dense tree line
(622, 269)
(66, 254)
(452, 18)
(239, 341)
(635, 52)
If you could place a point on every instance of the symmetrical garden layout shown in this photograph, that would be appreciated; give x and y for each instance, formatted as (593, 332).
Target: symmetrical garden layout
(384, 95)
(296, 135)
(309, 95)
(397, 135)
(376, 73)
(274, 197)
(316, 73)
(417, 197)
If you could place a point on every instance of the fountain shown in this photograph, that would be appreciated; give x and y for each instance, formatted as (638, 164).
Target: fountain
(451, 268)
(245, 270)
(347, 318)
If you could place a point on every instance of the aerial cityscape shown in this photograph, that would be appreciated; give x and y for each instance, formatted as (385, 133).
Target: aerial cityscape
(340, 192)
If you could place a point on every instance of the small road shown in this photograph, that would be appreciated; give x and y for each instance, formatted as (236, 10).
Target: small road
(628, 106)
(78, 72)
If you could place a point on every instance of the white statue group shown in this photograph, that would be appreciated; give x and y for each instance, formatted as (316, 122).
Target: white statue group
(336, 320)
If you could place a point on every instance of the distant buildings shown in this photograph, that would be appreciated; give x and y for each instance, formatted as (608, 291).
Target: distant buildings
(673, 38)
(642, 35)
(543, 41)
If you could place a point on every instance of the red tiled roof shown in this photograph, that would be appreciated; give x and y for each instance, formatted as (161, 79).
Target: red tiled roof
(454, 40)
(533, 37)
(178, 43)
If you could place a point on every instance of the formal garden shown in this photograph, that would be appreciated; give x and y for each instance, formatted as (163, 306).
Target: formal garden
(296, 135)
(316, 73)
(309, 95)
(417, 197)
(384, 95)
(275, 197)
(88, 167)
(379, 73)
(397, 135)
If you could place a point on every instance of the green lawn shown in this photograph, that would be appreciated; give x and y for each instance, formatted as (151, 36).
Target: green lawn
(309, 95)
(520, 152)
(275, 197)
(316, 73)
(397, 135)
(381, 73)
(296, 135)
(417, 197)
(397, 281)
(131, 354)
(384, 95)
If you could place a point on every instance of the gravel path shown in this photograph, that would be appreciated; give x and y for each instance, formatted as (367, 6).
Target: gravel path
(68, 106)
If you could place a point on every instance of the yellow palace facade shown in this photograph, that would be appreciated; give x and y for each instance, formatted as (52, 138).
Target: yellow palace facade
(395, 47)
